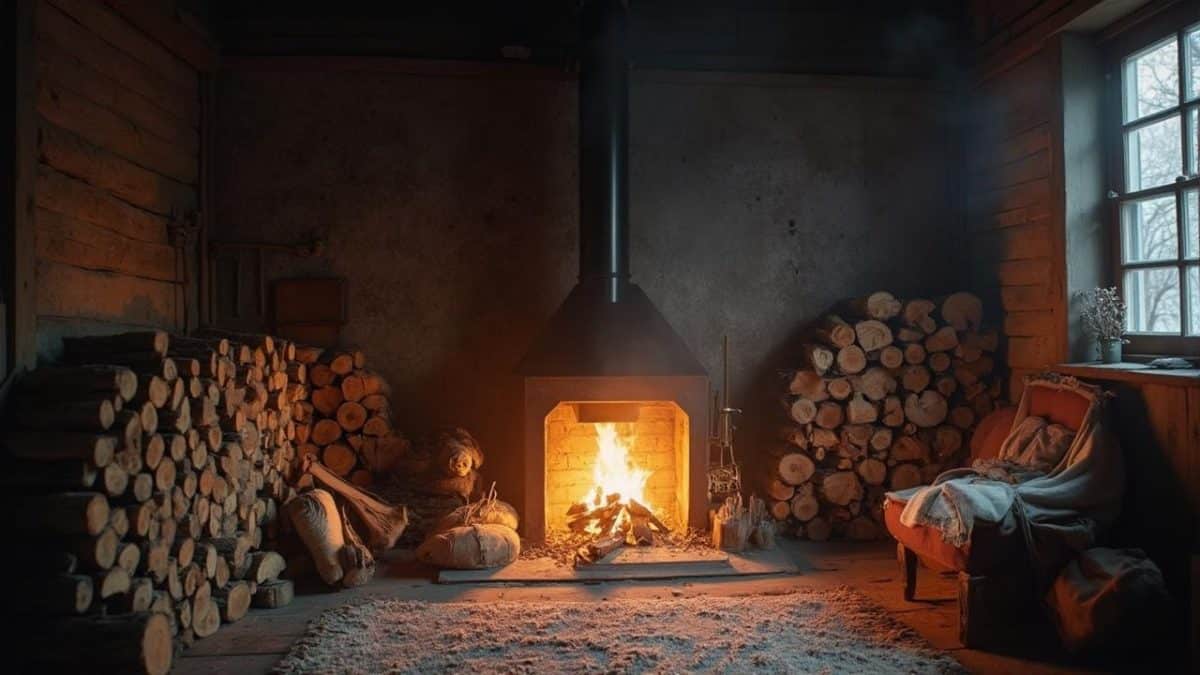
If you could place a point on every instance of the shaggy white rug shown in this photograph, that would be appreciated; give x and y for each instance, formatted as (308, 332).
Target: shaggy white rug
(827, 631)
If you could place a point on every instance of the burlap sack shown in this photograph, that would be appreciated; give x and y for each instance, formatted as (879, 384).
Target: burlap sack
(471, 547)
(315, 517)
(495, 513)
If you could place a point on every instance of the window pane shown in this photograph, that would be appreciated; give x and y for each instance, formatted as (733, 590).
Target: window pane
(1148, 230)
(1152, 80)
(1191, 220)
(1152, 155)
(1193, 275)
(1152, 296)
(1193, 132)
(1193, 61)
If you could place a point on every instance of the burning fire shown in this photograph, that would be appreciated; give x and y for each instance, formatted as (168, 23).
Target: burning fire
(614, 509)
(615, 473)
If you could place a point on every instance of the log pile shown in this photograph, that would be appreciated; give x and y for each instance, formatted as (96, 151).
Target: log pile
(885, 397)
(347, 417)
(151, 468)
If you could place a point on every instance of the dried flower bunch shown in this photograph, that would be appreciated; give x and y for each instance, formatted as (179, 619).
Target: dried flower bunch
(1103, 313)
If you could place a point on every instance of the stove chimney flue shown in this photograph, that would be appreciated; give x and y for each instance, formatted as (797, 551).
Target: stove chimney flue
(603, 136)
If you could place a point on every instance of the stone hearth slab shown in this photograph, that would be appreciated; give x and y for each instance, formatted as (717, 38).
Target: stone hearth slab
(630, 564)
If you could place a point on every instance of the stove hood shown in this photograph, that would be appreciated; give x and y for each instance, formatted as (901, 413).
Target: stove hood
(607, 326)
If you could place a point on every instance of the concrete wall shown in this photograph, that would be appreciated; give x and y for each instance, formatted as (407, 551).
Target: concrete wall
(450, 203)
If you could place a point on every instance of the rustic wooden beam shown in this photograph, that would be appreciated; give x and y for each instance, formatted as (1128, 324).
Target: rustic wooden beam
(171, 31)
(22, 305)
(1027, 36)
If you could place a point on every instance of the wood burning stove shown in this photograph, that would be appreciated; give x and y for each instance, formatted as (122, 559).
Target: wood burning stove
(667, 436)
(607, 355)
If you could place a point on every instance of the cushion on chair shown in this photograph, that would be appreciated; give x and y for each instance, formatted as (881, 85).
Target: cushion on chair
(1058, 406)
(990, 433)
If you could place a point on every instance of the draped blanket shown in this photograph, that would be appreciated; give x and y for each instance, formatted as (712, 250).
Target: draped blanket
(1064, 487)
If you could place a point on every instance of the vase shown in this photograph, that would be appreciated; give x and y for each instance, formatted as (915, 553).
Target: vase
(1110, 351)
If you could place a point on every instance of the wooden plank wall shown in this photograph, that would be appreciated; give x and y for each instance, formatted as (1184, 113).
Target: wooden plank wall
(1016, 228)
(118, 164)
(1159, 431)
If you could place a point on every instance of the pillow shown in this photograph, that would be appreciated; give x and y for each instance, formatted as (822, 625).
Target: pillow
(1058, 406)
(991, 432)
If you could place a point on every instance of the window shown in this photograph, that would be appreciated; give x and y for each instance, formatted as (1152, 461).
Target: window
(1158, 209)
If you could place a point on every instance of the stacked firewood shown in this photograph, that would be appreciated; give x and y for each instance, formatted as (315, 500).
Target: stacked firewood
(349, 416)
(886, 397)
(150, 468)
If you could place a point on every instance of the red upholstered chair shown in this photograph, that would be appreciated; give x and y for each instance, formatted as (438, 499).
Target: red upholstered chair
(996, 552)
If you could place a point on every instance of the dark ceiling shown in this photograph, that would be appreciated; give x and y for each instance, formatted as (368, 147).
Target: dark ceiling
(924, 38)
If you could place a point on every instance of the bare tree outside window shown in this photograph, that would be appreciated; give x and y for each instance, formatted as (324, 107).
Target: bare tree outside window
(1159, 237)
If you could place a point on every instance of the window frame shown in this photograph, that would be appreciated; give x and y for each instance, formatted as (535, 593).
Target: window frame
(1131, 41)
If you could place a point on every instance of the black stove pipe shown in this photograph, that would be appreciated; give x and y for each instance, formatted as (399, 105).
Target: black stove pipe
(603, 138)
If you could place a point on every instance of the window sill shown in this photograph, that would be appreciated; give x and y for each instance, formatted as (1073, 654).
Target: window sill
(1136, 373)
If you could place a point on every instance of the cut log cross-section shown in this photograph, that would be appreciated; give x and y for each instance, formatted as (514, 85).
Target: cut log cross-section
(872, 471)
(942, 340)
(839, 388)
(927, 409)
(915, 313)
(779, 490)
(873, 335)
(915, 378)
(860, 410)
(963, 311)
(851, 360)
(880, 305)
(835, 332)
(816, 357)
(138, 642)
(803, 411)
(795, 468)
(841, 488)
(914, 353)
(829, 415)
(876, 384)
(804, 506)
(808, 384)
(891, 356)
(909, 449)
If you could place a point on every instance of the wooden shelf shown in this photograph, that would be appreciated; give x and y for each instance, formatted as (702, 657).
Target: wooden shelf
(1131, 372)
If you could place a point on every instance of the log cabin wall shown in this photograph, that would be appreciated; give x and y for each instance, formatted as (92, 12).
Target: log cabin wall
(1016, 254)
(1028, 250)
(118, 149)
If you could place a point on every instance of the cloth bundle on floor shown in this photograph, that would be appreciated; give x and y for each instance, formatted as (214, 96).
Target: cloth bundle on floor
(1108, 599)
(471, 547)
(478, 535)
(338, 552)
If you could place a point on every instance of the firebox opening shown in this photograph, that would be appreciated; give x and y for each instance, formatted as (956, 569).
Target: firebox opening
(639, 444)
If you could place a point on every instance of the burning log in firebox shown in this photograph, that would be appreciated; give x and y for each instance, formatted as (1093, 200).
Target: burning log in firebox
(616, 522)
